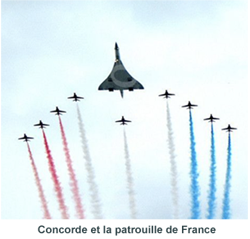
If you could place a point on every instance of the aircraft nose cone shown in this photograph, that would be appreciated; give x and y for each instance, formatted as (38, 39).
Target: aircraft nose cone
(116, 46)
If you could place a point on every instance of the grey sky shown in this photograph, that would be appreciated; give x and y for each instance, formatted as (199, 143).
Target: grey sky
(196, 49)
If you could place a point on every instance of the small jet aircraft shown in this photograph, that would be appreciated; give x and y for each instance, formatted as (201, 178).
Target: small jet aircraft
(119, 78)
(41, 124)
(57, 111)
(75, 97)
(123, 121)
(229, 128)
(211, 118)
(189, 105)
(25, 138)
(166, 94)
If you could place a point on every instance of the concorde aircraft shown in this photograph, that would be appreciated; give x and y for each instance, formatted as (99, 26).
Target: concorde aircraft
(119, 78)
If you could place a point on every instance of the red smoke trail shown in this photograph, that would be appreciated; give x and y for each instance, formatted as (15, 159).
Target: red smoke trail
(74, 185)
(39, 186)
(57, 185)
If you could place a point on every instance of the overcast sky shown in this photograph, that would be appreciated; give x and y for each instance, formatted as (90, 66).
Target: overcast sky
(196, 49)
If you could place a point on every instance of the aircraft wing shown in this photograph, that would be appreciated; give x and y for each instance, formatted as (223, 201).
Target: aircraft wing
(120, 79)
(127, 121)
(118, 121)
(25, 138)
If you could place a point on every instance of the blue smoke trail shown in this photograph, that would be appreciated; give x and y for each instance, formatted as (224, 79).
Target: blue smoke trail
(226, 214)
(212, 189)
(195, 190)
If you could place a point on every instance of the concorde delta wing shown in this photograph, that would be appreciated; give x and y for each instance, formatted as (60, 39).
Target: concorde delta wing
(119, 78)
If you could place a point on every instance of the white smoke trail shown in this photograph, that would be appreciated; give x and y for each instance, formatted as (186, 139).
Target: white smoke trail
(95, 202)
(130, 183)
(173, 166)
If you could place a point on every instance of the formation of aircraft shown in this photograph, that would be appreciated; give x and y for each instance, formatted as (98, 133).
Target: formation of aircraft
(57, 111)
(41, 125)
(189, 105)
(211, 118)
(119, 78)
(123, 121)
(229, 128)
(166, 94)
(25, 138)
(75, 97)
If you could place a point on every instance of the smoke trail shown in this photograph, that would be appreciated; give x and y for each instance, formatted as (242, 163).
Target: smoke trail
(73, 184)
(226, 213)
(130, 182)
(173, 165)
(96, 207)
(212, 189)
(195, 192)
(57, 185)
(39, 186)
